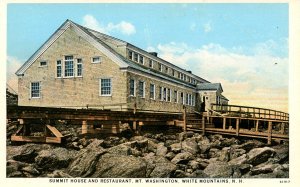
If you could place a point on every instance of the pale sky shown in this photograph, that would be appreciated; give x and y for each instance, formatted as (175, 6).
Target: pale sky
(242, 46)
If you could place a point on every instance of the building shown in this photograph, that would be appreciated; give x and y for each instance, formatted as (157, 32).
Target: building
(80, 67)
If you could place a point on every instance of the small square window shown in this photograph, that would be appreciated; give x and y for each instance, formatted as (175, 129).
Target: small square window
(43, 63)
(96, 59)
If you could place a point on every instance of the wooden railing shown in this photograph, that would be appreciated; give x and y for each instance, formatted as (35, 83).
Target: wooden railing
(249, 112)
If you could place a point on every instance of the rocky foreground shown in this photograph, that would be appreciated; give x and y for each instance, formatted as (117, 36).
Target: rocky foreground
(151, 155)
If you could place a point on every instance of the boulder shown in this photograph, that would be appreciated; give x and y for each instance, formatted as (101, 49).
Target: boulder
(250, 144)
(159, 167)
(170, 155)
(282, 153)
(183, 135)
(31, 170)
(115, 166)
(85, 162)
(235, 153)
(200, 174)
(120, 150)
(190, 145)
(182, 158)
(176, 148)
(263, 168)
(13, 166)
(152, 146)
(95, 143)
(59, 174)
(194, 164)
(110, 141)
(239, 160)
(224, 155)
(213, 153)
(161, 150)
(26, 155)
(244, 168)
(180, 174)
(54, 159)
(229, 142)
(204, 145)
(259, 155)
(218, 170)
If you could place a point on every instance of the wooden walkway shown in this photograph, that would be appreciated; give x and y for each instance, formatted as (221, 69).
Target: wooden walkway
(241, 121)
(222, 119)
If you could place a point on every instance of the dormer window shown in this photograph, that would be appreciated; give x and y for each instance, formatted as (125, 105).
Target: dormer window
(151, 63)
(136, 57)
(173, 72)
(130, 54)
(160, 67)
(141, 59)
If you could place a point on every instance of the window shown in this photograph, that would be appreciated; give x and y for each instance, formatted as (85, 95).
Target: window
(79, 67)
(186, 99)
(182, 97)
(132, 87)
(152, 91)
(96, 59)
(136, 57)
(105, 87)
(69, 66)
(160, 93)
(190, 99)
(193, 100)
(130, 54)
(58, 68)
(165, 94)
(175, 96)
(167, 69)
(181, 76)
(141, 89)
(35, 90)
(141, 59)
(150, 63)
(43, 63)
(184, 77)
(169, 94)
(160, 67)
(173, 72)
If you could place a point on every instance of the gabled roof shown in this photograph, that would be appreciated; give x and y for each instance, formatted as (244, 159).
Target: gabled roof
(223, 97)
(209, 86)
(96, 42)
(99, 40)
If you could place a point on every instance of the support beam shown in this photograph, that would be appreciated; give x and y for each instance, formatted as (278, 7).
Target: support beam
(224, 123)
(84, 128)
(203, 124)
(256, 126)
(269, 132)
(184, 118)
(282, 125)
(237, 126)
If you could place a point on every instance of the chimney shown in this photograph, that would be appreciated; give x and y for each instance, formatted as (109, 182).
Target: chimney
(153, 53)
(189, 71)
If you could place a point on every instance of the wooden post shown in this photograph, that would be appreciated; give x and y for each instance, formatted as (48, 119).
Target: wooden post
(237, 126)
(134, 108)
(47, 122)
(269, 132)
(84, 127)
(184, 118)
(224, 123)
(134, 126)
(282, 128)
(203, 124)
(256, 126)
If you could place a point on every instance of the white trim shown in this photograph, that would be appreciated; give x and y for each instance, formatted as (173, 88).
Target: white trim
(96, 62)
(100, 47)
(154, 89)
(100, 87)
(134, 88)
(40, 91)
(164, 62)
(43, 48)
(144, 89)
(160, 80)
